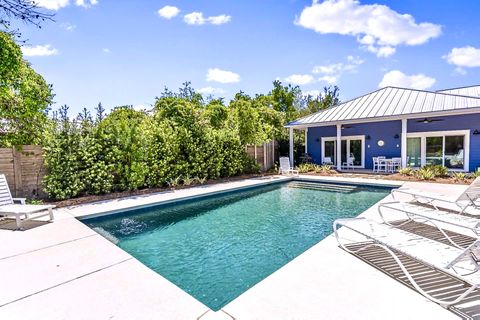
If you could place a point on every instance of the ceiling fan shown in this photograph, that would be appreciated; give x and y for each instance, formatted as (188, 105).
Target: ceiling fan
(426, 120)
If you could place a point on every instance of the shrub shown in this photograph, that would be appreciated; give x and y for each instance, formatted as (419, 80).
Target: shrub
(476, 174)
(459, 176)
(438, 170)
(305, 167)
(407, 171)
(425, 173)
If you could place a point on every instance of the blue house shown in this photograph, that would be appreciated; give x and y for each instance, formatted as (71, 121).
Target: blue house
(420, 127)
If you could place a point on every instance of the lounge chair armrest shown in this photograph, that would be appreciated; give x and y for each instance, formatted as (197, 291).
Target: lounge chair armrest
(21, 200)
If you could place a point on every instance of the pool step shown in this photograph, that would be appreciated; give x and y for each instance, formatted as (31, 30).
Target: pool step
(322, 186)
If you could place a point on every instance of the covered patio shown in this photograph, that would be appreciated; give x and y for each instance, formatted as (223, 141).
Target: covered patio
(394, 128)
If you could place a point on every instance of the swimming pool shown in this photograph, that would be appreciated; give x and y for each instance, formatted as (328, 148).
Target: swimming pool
(216, 248)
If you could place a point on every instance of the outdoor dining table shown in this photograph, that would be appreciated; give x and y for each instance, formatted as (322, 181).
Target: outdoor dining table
(388, 164)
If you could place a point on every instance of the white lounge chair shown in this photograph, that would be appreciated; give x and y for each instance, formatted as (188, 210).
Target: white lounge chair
(20, 211)
(285, 167)
(469, 198)
(459, 263)
(438, 218)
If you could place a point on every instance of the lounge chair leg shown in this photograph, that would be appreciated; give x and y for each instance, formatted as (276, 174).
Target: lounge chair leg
(50, 212)
(18, 220)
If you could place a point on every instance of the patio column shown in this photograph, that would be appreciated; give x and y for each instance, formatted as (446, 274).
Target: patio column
(404, 143)
(306, 140)
(291, 147)
(339, 147)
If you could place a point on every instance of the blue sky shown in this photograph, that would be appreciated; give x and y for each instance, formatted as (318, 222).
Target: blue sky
(125, 52)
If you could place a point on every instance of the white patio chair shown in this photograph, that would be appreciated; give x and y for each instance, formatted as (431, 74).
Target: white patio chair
(394, 165)
(459, 263)
(381, 164)
(327, 161)
(375, 163)
(285, 167)
(21, 211)
(469, 198)
(350, 163)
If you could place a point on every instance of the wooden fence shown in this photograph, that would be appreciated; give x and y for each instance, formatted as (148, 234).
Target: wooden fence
(24, 170)
(265, 154)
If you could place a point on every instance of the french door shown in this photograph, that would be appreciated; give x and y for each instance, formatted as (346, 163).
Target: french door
(351, 146)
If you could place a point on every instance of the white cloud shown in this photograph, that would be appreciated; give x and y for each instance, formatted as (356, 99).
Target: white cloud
(52, 4)
(68, 26)
(300, 79)
(168, 12)
(397, 78)
(211, 91)
(86, 3)
(58, 4)
(377, 27)
(197, 18)
(222, 76)
(330, 73)
(39, 50)
(106, 50)
(221, 19)
(464, 57)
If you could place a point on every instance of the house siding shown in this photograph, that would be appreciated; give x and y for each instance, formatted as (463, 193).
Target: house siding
(387, 130)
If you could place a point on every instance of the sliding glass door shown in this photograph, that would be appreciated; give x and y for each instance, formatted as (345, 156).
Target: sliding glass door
(414, 152)
(449, 149)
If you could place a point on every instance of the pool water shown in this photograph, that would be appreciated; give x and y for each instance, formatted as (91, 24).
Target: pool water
(218, 247)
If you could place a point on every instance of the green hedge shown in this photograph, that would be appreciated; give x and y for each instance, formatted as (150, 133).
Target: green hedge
(130, 149)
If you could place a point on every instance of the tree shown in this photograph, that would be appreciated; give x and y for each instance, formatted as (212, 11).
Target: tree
(286, 99)
(24, 97)
(320, 102)
(26, 11)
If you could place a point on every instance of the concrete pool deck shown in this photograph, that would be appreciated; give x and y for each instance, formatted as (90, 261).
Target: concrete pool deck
(65, 270)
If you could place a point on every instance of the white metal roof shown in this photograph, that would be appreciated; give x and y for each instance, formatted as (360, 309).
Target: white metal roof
(472, 91)
(391, 103)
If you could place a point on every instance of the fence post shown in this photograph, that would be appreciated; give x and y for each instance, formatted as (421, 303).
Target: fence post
(17, 172)
(264, 156)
